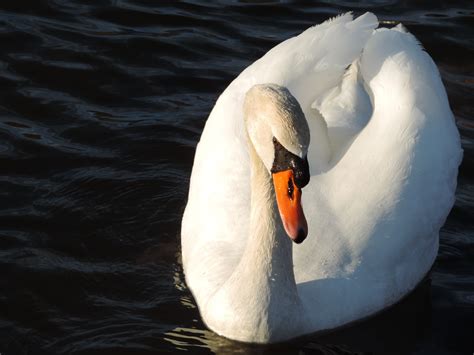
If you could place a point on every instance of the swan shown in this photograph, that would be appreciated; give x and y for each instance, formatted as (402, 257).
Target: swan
(320, 183)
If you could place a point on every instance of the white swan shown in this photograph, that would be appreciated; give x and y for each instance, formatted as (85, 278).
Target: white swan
(383, 162)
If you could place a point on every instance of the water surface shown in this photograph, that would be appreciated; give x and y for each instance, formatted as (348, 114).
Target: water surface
(101, 106)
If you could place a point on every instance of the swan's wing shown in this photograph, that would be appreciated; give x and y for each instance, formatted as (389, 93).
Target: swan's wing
(375, 216)
(346, 109)
(215, 222)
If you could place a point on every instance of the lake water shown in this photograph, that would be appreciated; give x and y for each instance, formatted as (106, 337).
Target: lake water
(101, 106)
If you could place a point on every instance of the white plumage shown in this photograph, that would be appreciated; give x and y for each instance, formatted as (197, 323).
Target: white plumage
(384, 155)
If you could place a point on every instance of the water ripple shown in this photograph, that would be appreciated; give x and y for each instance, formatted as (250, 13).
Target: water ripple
(102, 104)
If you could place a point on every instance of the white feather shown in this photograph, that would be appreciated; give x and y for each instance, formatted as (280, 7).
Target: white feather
(384, 155)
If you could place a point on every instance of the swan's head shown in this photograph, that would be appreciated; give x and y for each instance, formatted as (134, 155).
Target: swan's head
(278, 131)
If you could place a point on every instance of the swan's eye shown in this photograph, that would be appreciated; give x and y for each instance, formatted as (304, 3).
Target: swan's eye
(285, 160)
(290, 189)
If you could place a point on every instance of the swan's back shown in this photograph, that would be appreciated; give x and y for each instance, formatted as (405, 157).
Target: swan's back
(378, 194)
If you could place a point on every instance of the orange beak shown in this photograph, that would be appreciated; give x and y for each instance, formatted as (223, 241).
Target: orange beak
(288, 197)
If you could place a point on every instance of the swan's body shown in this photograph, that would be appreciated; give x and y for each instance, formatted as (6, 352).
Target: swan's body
(383, 158)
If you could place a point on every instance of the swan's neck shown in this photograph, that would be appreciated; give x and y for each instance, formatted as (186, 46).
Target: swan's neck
(269, 250)
(260, 300)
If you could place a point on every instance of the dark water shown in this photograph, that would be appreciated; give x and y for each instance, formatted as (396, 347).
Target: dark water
(101, 106)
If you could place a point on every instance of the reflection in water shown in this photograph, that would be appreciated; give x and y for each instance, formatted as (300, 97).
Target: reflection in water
(101, 107)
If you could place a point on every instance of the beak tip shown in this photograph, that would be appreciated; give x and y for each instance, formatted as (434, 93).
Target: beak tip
(300, 236)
